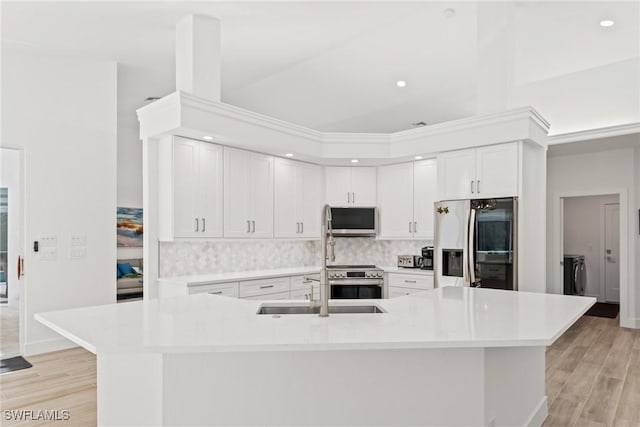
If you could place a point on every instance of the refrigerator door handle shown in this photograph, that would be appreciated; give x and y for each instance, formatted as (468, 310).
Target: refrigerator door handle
(465, 252)
(470, 248)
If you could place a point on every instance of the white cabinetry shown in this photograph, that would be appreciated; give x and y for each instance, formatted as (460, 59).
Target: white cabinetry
(248, 194)
(274, 288)
(298, 199)
(190, 195)
(404, 284)
(304, 287)
(477, 173)
(351, 186)
(229, 289)
(406, 193)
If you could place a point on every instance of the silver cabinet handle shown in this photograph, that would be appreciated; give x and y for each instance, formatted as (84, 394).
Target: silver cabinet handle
(197, 225)
(248, 226)
(410, 281)
(297, 227)
(415, 226)
(253, 226)
(478, 186)
(204, 225)
(302, 227)
(471, 187)
(266, 286)
(409, 226)
(216, 292)
(348, 197)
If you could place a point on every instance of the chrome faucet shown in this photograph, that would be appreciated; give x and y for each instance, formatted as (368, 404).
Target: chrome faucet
(328, 243)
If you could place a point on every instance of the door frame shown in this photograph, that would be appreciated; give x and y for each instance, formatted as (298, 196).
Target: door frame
(626, 291)
(603, 230)
(22, 245)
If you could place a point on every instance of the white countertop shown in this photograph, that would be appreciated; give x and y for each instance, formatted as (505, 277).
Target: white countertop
(440, 318)
(404, 270)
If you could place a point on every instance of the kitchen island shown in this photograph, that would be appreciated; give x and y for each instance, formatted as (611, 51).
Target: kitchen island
(449, 356)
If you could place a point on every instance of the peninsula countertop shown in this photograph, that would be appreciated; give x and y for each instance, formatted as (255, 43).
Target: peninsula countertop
(449, 317)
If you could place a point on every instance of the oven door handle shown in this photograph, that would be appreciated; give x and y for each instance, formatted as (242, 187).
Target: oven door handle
(357, 282)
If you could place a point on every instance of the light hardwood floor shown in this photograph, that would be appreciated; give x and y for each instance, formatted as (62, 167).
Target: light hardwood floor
(593, 380)
(9, 332)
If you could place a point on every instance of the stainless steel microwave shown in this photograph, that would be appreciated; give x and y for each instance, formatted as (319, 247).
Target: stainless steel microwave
(354, 222)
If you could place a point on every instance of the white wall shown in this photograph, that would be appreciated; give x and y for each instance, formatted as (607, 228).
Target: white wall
(62, 113)
(583, 226)
(10, 178)
(603, 172)
(129, 176)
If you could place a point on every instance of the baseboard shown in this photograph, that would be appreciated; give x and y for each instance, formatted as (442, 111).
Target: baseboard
(630, 322)
(539, 414)
(47, 346)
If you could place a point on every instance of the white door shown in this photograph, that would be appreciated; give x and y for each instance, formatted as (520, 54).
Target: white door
(496, 171)
(186, 221)
(612, 252)
(425, 188)
(363, 186)
(236, 209)
(209, 196)
(395, 200)
(260, 194)
(312, 200)
(338, 186)
(456, 174)
(286, 183)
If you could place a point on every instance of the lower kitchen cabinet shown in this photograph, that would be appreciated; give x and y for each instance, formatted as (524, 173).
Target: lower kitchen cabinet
(400, 284)
(226, 289)
(269, 297)
(304, 286)
(267, 288)
(395, 291)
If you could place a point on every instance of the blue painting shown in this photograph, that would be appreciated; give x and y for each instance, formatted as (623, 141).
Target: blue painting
(129, 227)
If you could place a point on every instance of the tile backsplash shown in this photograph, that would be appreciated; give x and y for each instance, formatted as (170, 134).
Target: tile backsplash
(185, 258)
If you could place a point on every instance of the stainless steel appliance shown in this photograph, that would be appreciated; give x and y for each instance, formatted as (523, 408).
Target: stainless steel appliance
(355, 281)
(427, 258)
(574, 274)
(410, 261)
(476, 242)
(354, 222)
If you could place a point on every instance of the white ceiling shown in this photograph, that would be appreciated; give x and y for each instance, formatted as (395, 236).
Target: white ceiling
(331, 66)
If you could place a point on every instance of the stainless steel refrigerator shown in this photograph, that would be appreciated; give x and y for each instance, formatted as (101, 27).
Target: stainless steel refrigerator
(476, 243)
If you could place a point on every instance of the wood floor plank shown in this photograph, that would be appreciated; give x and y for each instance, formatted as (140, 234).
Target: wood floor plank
(599, 351)
(615, 365)
(603, 400)
(629, 403)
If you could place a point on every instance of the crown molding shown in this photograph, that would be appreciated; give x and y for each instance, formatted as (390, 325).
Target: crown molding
(584, 135)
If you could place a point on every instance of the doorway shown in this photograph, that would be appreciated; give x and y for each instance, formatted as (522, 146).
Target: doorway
(11, 243)
(590, 247)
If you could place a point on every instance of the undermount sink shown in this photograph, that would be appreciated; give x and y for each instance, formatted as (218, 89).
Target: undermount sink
(305, 309)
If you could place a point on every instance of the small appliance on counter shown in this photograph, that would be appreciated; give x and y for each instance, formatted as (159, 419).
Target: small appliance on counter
(427, 258)
(410, 261)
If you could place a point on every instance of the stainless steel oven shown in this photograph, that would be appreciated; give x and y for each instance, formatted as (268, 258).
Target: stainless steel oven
(355, 281)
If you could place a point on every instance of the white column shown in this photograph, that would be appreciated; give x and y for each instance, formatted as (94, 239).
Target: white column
(198, 56)
(495, 56)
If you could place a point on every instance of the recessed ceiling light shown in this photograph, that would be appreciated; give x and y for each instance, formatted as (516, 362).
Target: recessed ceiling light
(449, 13)
(207, 137)
(418, 157)
(289, 155)
(354, 160)
(401, 83)
(607, 23)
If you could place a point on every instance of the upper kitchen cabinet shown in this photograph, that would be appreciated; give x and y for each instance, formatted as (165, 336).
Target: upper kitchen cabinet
(298, 199)
(479, 173)
(351, 186)
(248, 194)
(190, 193)
(406, 193)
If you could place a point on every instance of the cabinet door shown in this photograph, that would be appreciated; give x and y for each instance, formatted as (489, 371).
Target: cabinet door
(395, 200)
(287, 200)
(338, 186)
(185, 188)
(497, 171)
(236, 209)
(311, 193)
(425, 185)
(260, 194)
(363, 186)
(210, 190)
(456, 174)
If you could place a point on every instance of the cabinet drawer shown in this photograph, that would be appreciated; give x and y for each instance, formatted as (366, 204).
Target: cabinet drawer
(303, 282)
(396, 291)
(305, 294)
(417, 281)
(269, 297)
(274, 285)
(229, 289)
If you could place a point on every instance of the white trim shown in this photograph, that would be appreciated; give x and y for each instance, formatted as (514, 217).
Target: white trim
(599, 133)
(603, 239)
(626, 294)
(47, 346)
(538, 416)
